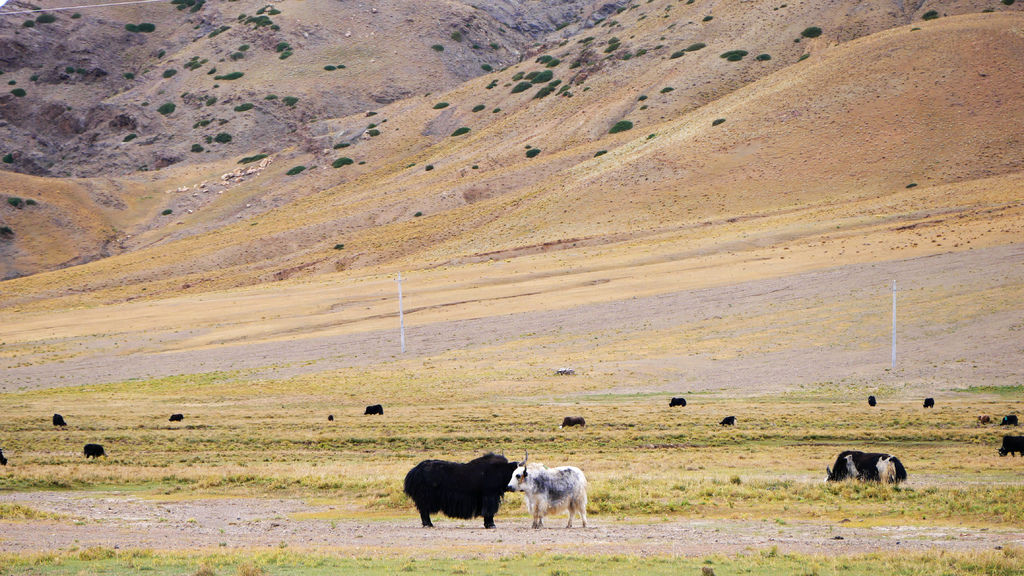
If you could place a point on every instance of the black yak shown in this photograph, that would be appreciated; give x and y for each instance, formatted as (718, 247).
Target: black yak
(93, 451)
(460, 490)
(176, 417)
(872, 401)
(1009, 420)
(58, 420)
(330, 417)
(3, 461)
(1011, 445)
(573, 421)
(728, 421)
(374, 409)
(677, 401)
(867, 466)
(929, 402)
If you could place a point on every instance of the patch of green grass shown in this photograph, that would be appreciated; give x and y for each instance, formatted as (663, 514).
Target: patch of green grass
(251, 159)
(230, 76)
(1011, 390)
(244, 107)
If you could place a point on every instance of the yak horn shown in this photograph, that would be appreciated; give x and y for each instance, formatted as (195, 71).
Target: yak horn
(526, 457)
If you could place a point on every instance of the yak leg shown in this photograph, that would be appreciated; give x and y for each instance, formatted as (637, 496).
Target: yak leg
(538, 521)
(425, 517)
(489, 521)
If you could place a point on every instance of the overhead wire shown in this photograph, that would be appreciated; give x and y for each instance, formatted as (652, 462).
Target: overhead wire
(80, 7)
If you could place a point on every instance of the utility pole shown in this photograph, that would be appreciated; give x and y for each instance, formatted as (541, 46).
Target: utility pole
(894, 325)
(401, 317)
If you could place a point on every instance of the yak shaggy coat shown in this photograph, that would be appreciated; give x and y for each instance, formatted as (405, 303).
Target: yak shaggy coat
(874, 467)
(460, 490)
(551, 491)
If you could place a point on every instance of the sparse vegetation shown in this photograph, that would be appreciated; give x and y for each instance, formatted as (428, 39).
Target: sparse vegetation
(620, 126)
(338, 246)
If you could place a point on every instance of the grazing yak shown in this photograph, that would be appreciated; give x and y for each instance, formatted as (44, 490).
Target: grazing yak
(872, 401)
(3, 461)
(1012, 445)
(551, 491)
(728, 421)
(929, 402)
(58, 420)
(984, 419)
(565, 372)
(677, 401)
(374, 409)
(867, 466)
(330, 417)
(176, 417)
(460, 490)
(93, 451)
(573, 421)
(1009, 420)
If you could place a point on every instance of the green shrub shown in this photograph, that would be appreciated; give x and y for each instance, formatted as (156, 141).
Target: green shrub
(15, 201)
(532, 152)
(486, 67)
(129, 75)
(76, 16)
(251, 159)
(521, 87)
(167, 212)
(231, 76)
(667, 89)
(244, 107)
(418, 214)
(553, 62)
(373, 132)
(169, 72)
(440, 105)
(478, 107)
(457, 36)
(19, 92)
(46, 18)
(912, 185)
(330, 68)
(235, 56)
(496, 110)
(146, 27)
(541, 77)
(341, 145)
(166, 108)
(438, 48)
(803, 57)
(211, 100)
(197, 148)
(428, 167)
(811, 32)
(717, 121)
(600, 153)
(763, 57)
(270, 97)
(930, 15)
(461, 131)
(707, 19)
(677, 54)
(337, 246)
(641, 98)
(343, 161)
(284, 55)
(290, 100)
(545, 91)
(130, 137)
(695, 46)
(8, 158)
(30, 202)
(222, 138)
(295, 170)
(6, 231)
(621, 126)
(129, 27)
(495, 46)
(733, 55)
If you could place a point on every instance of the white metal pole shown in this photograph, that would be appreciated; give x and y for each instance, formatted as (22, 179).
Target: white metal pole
(401, 315)
(894, 325)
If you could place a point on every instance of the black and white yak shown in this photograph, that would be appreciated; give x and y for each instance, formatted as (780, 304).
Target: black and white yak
(871, 466)
(459, 490)
(3, 461)
(551, 491)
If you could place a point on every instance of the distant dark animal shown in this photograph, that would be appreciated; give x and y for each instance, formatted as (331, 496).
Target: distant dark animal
(176, 417)
(1009, 420)
(330, 417)
(677, 401)
(984, 419)
(929, 402)
(872, 466)
(3, 461)
(58, 420)
(551, 491)
(1012, 445)
(565, 372)
(728, 421)
(374, 409)
(573, 421)
(872, 401)
(460, 490)
(93, 451)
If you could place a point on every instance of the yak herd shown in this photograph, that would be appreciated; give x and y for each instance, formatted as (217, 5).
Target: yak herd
(476, 488)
